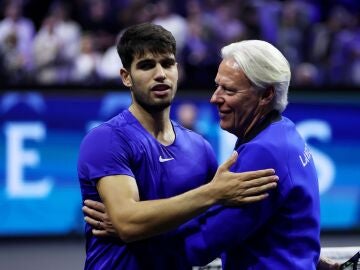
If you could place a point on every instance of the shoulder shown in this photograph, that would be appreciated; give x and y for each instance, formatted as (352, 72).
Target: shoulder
(278, 136)
(109, 134)
(117, 126)
(271, 147)
(190, 137)
(187, 133)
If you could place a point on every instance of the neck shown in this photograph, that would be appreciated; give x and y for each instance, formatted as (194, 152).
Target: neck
(157, 123)
(256, 119)
(261, 124)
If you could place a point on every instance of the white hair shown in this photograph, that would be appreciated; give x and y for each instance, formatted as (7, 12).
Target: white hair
(264, 66)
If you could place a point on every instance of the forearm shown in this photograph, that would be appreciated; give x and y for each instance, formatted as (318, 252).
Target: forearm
(143, 219)
(134, 219)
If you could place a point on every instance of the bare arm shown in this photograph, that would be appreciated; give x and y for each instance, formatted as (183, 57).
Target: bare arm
(133, 219)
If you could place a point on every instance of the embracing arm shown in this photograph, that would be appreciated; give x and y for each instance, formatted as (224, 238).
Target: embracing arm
(133, 219)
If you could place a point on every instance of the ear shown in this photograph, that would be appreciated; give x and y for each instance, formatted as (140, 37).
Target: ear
(267, 96)
(125, 77)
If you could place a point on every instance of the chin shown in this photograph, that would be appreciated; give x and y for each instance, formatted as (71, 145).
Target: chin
(224, 126)
(160, 106)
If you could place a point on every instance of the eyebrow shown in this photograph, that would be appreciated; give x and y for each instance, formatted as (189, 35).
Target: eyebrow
(167, 59)
(145, 61)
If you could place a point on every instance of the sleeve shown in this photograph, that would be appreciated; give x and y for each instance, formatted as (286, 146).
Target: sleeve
(104, 152)
(222, 228)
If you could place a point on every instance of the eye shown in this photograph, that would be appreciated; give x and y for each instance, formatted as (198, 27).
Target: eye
(167, 63)
(229, 91)
(225, 90)
(146, 64)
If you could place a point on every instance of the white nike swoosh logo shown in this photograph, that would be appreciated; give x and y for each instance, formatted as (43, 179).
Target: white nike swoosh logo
(161, 159)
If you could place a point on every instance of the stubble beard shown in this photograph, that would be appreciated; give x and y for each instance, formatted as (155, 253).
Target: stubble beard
(152, 106)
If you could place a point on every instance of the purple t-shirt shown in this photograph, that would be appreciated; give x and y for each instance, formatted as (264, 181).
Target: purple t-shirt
(280, 232)
(121, 146)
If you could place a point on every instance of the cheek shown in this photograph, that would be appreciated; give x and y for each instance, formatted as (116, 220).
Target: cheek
(241, 111)
(174, 77)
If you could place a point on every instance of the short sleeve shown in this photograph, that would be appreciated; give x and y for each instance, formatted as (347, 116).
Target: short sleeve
(103, 152)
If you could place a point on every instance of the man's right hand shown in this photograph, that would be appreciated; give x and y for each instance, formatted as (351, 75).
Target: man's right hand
(98, 218)
(240, 188)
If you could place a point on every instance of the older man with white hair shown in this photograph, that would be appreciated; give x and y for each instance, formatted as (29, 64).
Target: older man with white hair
(283, 231)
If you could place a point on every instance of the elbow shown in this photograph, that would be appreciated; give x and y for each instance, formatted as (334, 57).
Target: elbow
(127, 237)
(128, 226)
(128, 233)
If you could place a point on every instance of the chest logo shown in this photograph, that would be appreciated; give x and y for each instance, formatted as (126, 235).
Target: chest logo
(161, 159)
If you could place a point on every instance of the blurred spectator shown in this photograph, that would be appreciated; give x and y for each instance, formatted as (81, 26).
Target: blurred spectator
(320, 41)
(354, 56)
(110, 66)
(98, 17)
(47, 53)
(16, 34)
(135, 12)
(269, 12)
(171, 21)
(251, 20)
(12, 61)
(324, 52)
(344, 56)
(67, 30)
(200, 55)
(306, 74)
(226, 24)
(87, 62)
(55, 46)
(290, 33)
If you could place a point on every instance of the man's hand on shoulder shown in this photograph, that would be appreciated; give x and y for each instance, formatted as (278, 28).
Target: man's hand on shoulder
(239, 188)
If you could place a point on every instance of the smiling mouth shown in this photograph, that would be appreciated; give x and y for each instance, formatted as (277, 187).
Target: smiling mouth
(223, 113)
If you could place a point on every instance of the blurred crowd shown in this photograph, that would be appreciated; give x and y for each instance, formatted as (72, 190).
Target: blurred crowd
(62, 42)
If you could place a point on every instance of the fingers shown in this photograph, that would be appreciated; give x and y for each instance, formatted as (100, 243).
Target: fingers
(93, 222)
(229, 162)
(94, 209)
(94, 214)
(95, 205)
(260, 181)
(250, 199)
(99, 228)
(257, 174)
(100, 233)
(259, 190)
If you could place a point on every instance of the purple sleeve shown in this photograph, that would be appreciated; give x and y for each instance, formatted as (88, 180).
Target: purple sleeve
(104, 152)
(225, 227)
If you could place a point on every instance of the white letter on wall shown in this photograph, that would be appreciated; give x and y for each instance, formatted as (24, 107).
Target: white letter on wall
(18, 158)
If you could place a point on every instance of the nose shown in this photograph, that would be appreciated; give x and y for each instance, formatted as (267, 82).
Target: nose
(215, 96)
(159, 72)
